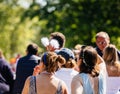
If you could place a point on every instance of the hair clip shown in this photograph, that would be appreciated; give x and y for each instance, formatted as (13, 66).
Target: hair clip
(54, 43)
(45, 58)
(45, 41)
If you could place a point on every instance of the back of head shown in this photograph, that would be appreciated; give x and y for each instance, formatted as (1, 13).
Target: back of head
(110, 54)
(69, 57)
(59, 37)
(52, 61)
(78, 47)
(32, 49)
(89, 59)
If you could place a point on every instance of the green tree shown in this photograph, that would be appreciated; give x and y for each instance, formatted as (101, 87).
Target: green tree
(14, 33)
(79, 20)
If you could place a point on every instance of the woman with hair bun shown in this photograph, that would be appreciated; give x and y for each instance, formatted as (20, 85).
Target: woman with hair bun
(67, 70)
(46, 82)
(89, 80)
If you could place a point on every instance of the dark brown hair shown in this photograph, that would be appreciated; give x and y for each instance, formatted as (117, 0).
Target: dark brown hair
(32, 49)
(59, 37)
(89, 61)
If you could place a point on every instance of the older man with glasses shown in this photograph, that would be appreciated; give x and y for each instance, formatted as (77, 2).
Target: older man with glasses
(103, 40)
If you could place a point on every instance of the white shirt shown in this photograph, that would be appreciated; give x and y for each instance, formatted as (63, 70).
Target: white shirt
(66, 74)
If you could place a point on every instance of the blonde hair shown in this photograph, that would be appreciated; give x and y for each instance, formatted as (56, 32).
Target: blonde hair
(110, 55)
(52, 61)
(78, 46)
(71, 63)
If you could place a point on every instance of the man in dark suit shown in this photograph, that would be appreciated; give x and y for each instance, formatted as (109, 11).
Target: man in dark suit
(103, 40)
(6, 76)
(25, 67)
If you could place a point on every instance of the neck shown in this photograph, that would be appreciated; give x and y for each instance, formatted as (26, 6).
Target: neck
(45, 72)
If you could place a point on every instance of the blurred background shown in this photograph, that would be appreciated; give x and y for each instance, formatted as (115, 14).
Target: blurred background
(26, 21)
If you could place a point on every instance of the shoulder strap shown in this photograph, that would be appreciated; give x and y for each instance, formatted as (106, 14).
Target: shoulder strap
(32, 86)
(35, 84)
(59, 89)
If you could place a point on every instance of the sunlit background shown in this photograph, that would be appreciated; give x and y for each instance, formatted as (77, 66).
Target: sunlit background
(26, 21)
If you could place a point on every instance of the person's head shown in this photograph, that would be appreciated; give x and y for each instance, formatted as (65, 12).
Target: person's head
(110, 54)
(51, 62)
(59, 37)
(102, 40)
(69, 57)
(89, 61)
(78, 47)
(32, 49)
(77, 50)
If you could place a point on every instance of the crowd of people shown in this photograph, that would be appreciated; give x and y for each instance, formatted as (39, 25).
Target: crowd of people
(60, 70)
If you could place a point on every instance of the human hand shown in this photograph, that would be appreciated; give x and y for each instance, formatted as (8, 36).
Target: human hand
(36, 70)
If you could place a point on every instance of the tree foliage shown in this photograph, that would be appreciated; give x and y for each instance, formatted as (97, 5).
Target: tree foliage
(14, 34)
(78, 20)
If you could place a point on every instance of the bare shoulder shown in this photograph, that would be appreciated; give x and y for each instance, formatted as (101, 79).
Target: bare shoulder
(26, 86)
(76, 79)
(28, 79)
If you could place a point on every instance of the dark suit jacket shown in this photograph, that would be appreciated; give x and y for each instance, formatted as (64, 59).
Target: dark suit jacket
(24, 69)
(6, 77)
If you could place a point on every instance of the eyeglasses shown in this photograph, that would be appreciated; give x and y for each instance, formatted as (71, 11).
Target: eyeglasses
(101, 43)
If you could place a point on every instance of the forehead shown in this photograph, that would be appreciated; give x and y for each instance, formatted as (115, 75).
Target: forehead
(101, 39)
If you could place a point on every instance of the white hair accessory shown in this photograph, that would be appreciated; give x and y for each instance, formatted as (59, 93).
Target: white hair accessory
(45, 41)
(54, 43)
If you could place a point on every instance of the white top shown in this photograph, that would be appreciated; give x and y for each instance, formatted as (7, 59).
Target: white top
(113, 85)
(66, 74)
